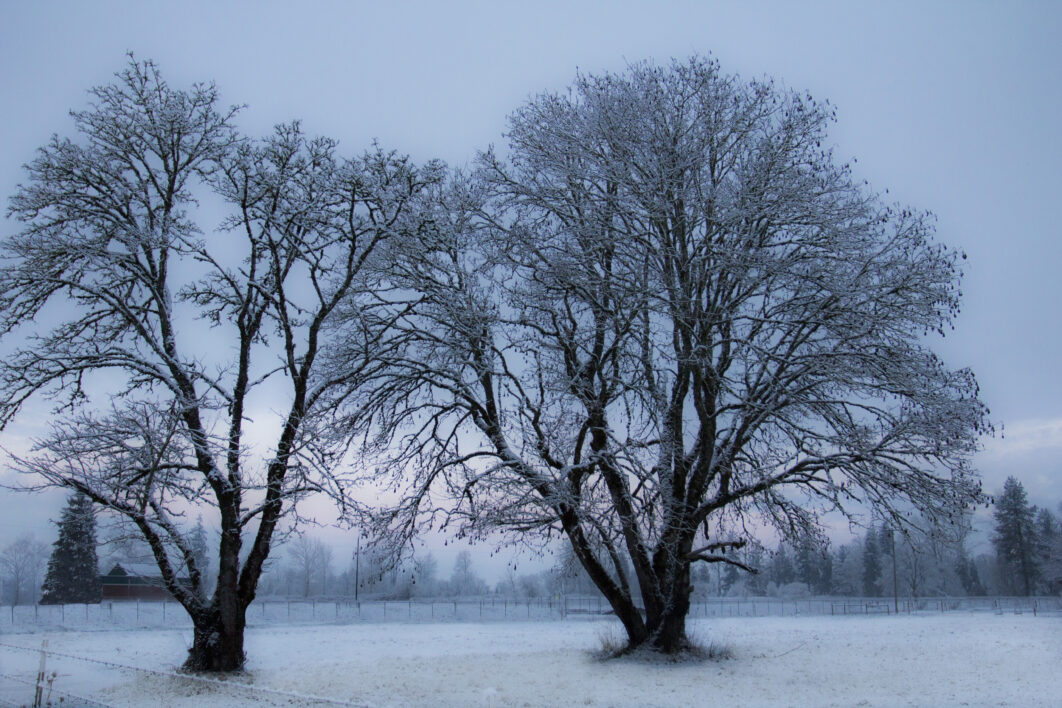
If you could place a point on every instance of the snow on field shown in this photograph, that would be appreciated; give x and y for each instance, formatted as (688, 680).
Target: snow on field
(909, 660)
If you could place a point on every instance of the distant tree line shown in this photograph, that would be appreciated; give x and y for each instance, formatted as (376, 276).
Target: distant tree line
(1024, 558)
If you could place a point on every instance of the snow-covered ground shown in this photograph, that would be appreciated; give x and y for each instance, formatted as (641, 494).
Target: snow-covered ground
(955, 659)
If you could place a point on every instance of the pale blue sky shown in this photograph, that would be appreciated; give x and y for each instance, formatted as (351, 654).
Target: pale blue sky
(952, 106)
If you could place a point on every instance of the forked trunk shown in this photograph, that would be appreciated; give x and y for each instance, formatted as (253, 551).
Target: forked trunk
(217, 644)
(662, 627)
(669, 636)
(667, 627)
(632, 620)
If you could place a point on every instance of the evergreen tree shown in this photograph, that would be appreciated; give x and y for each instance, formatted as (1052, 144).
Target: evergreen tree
(701, 577)
(847, 566)
(825, 580)
(781, 569)
(976, 587)
(731, 576)
(73, 569)
(886, 544)
(888, 580)
(814, 567)
(871, 564)
(807, 566)
(966, 569)
(201, 553)
(757, 582)
(1049, 551)
(1015, 539)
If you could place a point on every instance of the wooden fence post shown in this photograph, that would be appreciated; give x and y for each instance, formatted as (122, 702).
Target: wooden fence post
(38, 694)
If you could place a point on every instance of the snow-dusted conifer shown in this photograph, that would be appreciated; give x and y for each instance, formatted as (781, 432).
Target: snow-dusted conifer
(814, 567)
(966, 570)
(753, 555)
(871, 564)
(200, 550)
(1015, 539)
(1049, 550)
(782, 570)
(73, 569)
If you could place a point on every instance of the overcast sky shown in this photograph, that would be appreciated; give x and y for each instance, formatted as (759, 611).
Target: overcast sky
(954, 107)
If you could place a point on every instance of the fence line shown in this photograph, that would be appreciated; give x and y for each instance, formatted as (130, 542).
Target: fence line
(764, 607)
(239, 686)
(81, 701)
(169, 614)
(157, 613)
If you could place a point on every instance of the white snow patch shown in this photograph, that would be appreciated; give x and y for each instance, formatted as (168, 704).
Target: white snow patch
(972, 659)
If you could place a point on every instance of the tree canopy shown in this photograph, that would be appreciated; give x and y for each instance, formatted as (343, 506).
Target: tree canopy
(165, 330)
(668, 315)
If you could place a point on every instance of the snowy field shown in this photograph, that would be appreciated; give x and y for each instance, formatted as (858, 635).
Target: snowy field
(956, 659)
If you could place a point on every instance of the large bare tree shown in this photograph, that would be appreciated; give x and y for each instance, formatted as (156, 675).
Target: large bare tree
(23, 560)
(310, 558)
(175, 355)
(667, 319)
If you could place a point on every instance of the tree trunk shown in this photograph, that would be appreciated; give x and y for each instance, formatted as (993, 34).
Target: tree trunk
(218, 640)
(632, 621)
(663, 626)
(667, 623)
(669, 637)
(217, 644)
(667, 633)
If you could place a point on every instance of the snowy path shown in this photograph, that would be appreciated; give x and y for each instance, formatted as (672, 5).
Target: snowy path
(938, 660)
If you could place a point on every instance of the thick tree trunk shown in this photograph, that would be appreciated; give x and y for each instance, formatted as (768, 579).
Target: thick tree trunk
(666, 621)
(217, 644)
(669, 637)
(218, 640)
(667, 634)
(664, 627)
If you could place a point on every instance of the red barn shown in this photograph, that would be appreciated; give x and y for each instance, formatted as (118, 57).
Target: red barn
(136, 581)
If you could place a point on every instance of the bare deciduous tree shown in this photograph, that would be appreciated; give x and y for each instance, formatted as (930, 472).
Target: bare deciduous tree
(425, 567)
(312, 559)
(667, 315)
(23, 561)
(463, 579)
(193, 339)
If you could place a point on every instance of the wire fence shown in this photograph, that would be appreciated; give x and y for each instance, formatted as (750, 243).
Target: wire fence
(131, 614)
(774, 607)
(59, 673)
(66, 679)
(122, 614)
